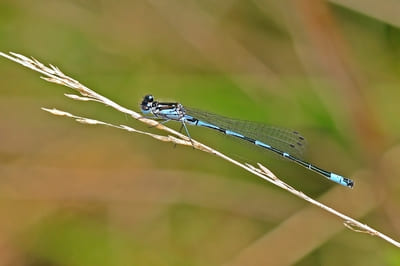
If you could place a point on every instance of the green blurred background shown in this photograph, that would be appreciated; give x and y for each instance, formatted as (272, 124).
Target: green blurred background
(72, 194)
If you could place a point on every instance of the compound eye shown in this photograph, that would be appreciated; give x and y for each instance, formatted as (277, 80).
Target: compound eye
(147, 103)
(149, 98)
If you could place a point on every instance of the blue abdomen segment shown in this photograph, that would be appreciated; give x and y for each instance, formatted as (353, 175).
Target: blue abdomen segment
(341, 180)
(262, 144)
(205, 124)
(233, 133)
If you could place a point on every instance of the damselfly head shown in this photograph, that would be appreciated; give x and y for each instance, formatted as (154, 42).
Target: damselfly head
(148, 98)
(147, 103)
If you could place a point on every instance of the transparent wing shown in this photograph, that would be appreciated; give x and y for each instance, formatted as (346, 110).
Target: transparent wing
(286, 140)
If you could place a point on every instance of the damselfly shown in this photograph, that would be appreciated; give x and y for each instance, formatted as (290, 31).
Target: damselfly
(288, 144)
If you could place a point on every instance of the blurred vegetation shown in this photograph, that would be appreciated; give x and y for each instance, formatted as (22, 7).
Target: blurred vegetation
(80, 195)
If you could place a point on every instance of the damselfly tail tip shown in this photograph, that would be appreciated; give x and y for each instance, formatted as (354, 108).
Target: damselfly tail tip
(350, 183)
(342, 180)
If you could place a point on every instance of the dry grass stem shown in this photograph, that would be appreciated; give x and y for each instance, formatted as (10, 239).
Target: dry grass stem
(53, 74)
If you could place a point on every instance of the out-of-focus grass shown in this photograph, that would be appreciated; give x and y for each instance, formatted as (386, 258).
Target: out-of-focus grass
(78, 195)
